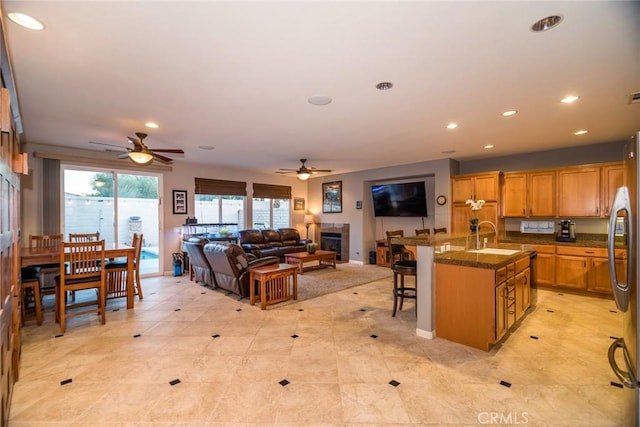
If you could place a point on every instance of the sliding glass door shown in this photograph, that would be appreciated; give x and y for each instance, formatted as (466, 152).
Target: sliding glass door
(116, 204)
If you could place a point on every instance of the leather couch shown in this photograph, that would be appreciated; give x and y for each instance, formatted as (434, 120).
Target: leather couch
(230, 266)
(200, 268)
(263, 243)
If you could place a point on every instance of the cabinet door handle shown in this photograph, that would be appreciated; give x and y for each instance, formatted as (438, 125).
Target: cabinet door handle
(588, 252)
(524, 211)
(511, 298)
(526, 279)
(530, 211)
(511, 312)
(597, 210)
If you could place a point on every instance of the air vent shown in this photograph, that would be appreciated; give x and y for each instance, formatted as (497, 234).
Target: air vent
(634, 98)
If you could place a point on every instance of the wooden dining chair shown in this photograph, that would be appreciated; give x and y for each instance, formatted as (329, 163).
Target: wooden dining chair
(440, 230)
(423, 232)
(46, 272)
(84, 237)
(117, 272)
(81, 268)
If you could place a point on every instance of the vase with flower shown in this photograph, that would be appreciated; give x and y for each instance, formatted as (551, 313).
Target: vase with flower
(476, 205)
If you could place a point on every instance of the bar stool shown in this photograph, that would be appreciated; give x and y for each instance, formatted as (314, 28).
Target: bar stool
(440, 230)
(402, 267)
(423, 232)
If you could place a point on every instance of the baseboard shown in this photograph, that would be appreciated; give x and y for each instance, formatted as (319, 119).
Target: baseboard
(425, 334)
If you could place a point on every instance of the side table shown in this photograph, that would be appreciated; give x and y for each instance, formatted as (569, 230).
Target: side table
(274, 283)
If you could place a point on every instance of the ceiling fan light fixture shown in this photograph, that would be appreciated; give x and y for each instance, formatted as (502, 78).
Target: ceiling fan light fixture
(303, 176)
(140, 157)
(26, 21)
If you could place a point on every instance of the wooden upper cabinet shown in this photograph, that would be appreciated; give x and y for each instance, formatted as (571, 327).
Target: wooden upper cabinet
(485, 186)
(579, 192)
(612, 178)
(529, 194)
(461, 216)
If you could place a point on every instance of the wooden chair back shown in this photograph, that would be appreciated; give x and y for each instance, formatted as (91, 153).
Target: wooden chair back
(84, 237)
(440, 230)
(45, 240)
(396, 252)
(423, 232)
(81, 268)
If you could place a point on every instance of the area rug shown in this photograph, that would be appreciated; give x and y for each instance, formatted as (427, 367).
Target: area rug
(315, 283)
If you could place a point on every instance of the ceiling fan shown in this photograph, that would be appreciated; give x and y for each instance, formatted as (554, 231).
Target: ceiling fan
(304, 172)
(140, 153)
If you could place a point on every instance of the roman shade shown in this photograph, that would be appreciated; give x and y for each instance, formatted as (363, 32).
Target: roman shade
(220, 187)
(270, 191)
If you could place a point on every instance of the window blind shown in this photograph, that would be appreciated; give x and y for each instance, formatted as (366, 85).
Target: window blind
(220, 187)
(271, 191)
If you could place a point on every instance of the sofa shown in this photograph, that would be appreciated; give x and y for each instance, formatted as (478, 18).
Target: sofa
(230, 266)
(200, 268)
(263, 243)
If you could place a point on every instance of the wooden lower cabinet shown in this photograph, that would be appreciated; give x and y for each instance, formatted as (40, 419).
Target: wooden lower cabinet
(545, 266)
(587, 269)
(478, 306)
(571, 271)
(599, 278)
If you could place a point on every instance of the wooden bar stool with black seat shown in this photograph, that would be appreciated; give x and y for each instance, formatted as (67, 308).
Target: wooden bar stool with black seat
(440, 230)
(401, 267)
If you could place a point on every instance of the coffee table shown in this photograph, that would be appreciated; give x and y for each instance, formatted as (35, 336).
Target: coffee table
(325, 259)
(274, 283)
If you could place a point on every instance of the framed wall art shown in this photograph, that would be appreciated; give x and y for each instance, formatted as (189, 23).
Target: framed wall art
(332, 197)
(298, 204)
(179, 202)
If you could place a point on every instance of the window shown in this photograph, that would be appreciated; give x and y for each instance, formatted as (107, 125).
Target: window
(219, 202)
(271, 213)
(271, 206)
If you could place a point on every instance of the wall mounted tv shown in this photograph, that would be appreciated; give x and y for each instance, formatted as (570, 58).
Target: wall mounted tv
(407, 199)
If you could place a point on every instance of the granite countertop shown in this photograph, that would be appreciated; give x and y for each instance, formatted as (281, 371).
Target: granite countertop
(480, 260)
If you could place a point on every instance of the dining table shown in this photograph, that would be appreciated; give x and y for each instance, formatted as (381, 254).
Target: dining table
(30, 257)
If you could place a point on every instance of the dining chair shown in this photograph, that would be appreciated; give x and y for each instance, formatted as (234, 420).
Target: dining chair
(401, 267)
(81, 268)
(84, 237)
(399, 250)
(30, 296)
(440, 230)
(46, 272)
(117, 272)
(423, 232)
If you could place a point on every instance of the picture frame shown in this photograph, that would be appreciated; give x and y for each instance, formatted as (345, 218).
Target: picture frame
(298, 204)
(332, 197)
(179, 202)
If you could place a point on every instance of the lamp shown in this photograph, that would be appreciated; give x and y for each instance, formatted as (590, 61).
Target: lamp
(303, 176)
(308, 220)
(140, 157)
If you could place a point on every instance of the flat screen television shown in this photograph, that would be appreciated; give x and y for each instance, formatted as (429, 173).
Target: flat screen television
(407, 199)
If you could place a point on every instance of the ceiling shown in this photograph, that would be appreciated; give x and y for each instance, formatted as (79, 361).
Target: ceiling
(237, 76)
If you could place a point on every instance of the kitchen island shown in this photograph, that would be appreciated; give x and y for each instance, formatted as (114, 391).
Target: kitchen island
(446, 255)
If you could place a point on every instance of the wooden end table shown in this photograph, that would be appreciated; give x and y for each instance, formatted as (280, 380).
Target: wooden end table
(324, 258)
(274, 283)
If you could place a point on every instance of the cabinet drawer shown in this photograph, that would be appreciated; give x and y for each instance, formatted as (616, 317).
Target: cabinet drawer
(582, 251)
(545, 249)
(511, 269)
(521, 264)
(501, 275)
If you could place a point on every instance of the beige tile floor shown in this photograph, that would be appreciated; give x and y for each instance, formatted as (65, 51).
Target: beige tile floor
(230, 358)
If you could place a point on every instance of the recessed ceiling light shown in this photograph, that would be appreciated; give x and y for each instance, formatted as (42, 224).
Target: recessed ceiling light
(384, 85)
(509, 113)
(569, 99)
(26, 21)
(206, 147)
(319, 100)
(448, 151)
(452, 125)
(152, 125)
(546, 23)
(581, 132)
(488, 146)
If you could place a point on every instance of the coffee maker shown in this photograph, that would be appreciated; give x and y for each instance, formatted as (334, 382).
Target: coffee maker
(567, 231)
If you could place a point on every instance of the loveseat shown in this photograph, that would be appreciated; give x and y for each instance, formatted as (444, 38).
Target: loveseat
(263, 243)
(230, 266)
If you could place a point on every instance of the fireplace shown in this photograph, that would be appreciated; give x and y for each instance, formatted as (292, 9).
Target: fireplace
(334, 237)
(332, 242)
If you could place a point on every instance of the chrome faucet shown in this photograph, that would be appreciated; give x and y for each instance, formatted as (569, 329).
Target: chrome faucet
(495, 230)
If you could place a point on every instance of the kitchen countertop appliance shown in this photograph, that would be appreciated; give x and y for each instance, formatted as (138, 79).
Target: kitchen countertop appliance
(567, 231)
(625, 283)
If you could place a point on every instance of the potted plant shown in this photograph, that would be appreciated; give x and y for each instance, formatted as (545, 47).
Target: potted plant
(311, 247)
(476, 205)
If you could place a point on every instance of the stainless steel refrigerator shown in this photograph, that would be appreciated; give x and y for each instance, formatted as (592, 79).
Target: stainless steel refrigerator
(623, 222)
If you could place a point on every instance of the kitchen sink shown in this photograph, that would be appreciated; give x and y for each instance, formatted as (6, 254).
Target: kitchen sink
(495, 251)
